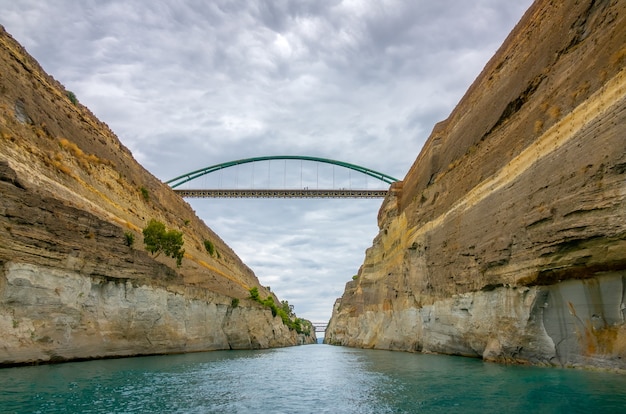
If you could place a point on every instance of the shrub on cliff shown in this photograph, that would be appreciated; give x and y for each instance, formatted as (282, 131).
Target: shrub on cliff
(285, 311)
(145, 193)
(72, 97)
(287, 307)
(209, 246)
(269, 302)
(129, 238)
(254, 294)
(157, 239)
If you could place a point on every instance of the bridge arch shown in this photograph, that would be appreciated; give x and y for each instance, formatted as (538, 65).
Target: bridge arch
(177, 181)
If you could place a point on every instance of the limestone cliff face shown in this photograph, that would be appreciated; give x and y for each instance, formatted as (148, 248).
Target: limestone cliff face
(71, 286)
(57, 315)
(507, 238)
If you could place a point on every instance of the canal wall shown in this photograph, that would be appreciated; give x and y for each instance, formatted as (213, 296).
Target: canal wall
(77, 280)
(506, 240)
(53, 315)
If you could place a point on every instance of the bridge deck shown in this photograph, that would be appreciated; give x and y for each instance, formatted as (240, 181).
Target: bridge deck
(320, 326)
(268, 193)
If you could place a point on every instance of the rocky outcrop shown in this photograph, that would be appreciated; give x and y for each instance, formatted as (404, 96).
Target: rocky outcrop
(75, 279)
(507, 238)
(57, 315)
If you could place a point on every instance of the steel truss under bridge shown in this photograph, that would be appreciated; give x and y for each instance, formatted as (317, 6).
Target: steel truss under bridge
(269, 193)
(280, 193)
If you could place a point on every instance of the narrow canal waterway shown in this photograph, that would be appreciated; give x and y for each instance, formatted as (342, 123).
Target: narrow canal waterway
(306, 379)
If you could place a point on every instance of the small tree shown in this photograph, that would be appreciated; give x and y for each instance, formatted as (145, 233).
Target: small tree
(152, 235)
(287, 308)
(157, 239)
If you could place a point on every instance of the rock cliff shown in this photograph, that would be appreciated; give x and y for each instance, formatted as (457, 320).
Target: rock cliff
(75, 279)
(507, 238)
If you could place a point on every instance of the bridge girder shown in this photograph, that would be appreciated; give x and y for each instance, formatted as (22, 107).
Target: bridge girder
(278, 193)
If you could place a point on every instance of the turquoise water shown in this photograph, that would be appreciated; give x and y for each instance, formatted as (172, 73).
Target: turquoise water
(306, 379)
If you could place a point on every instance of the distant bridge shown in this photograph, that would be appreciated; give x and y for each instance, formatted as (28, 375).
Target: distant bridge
(320, 326)
(300, 190)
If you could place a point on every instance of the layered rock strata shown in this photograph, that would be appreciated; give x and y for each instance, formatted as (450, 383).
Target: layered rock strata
(507, 238)
(75, 279)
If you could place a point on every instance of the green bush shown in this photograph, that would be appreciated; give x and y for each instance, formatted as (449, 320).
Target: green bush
(129, 238)
(235, 302)
(303, 326)
(269, 302)
(145, 193)
(209, 246)
(72, 97)
(157, 239)
(284, 311)
(254, 294)
(287, 307)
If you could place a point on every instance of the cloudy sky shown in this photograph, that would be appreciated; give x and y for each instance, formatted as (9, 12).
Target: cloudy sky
(191, 83)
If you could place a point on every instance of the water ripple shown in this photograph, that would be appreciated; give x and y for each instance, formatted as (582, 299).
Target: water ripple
(308, 379)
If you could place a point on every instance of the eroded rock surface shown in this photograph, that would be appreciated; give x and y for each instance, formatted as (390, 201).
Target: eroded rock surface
(507, 238)
(72, 286)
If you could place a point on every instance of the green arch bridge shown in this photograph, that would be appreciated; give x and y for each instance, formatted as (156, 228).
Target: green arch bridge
(304, 192)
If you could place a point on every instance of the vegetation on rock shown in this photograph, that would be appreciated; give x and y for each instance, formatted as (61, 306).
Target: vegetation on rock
(209, 246)
(72, 97)
(72, 198)
(144, 193)
(285, 311)
(129, 239)
(157, 239)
